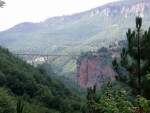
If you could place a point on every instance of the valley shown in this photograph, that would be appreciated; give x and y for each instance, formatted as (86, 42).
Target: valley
(96, 61)
(77, 33)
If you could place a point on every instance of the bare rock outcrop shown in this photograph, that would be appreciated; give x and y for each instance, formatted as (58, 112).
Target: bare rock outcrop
(95, 68)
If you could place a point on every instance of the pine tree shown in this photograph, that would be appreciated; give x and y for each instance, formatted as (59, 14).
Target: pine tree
(19, 106)
(135, 59)
(91, 97)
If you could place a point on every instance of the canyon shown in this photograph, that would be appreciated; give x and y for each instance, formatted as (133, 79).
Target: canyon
(95, 68)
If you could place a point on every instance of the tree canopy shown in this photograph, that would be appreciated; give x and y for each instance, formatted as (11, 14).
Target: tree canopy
(39, 91)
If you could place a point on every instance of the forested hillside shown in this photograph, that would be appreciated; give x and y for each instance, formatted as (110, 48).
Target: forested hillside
(130, 93)
(72, 34)
(114, 84)
(88, 30)
(34, 88)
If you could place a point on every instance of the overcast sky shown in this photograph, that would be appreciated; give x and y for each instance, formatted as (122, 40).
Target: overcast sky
(17, 11)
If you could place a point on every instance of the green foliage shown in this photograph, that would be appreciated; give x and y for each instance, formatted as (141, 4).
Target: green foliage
(115, 64)
(19, 106)
(144, 104)
(71, 34)
(138, 22)
(91, 96)
(103, 49)
(40, 92)
(115, 99)
(94, 54)
(148, 76)
(112, 100)
(7, 103)
(37, 108)
(134, 61)
(45, 95)
(2, 79)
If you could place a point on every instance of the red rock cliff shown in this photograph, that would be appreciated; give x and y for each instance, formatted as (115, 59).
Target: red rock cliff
(95, 69)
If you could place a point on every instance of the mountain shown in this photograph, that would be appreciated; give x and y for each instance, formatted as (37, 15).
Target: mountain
(87, 30)
(39, 91)
(71, 34)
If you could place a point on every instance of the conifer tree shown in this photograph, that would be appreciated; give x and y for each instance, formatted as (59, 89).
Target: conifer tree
(91, 97)
(135, 59)
(19, 107)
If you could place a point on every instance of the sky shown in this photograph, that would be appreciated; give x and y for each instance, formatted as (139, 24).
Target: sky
(18, 11)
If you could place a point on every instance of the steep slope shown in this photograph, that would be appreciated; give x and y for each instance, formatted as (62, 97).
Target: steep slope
(40, 92)
(92, 28)
(95, 68)
(73, 34)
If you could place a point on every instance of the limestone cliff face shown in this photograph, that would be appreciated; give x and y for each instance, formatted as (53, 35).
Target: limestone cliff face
(95, 69)
(124, 7)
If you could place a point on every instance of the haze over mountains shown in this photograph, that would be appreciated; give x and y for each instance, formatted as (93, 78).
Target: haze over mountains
(73, 34)
(88, 50)
(84, 31)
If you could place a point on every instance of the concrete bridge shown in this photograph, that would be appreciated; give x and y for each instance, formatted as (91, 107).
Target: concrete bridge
(45, 58)
(35, 59)
(50, 58)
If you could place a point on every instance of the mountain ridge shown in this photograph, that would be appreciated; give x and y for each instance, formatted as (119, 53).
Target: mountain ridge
(104, 9)
(86, 31)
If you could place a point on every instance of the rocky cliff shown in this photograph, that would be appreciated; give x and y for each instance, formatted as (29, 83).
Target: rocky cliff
(95, 68)
(124, 7)
(72, 34)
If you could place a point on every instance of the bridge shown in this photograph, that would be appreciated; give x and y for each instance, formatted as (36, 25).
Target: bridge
(35, 59)
(46, 58)
(63, 60)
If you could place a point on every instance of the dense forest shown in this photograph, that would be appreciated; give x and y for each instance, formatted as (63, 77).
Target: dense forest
(28, 89)
(34, 89)
(130, 93)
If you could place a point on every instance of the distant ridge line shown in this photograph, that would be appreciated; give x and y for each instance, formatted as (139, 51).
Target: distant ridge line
(43, 54)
